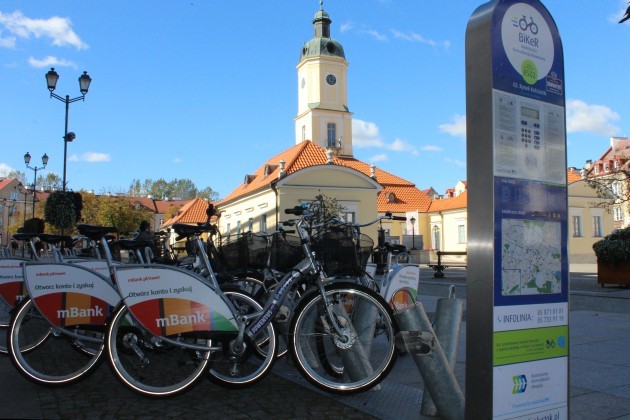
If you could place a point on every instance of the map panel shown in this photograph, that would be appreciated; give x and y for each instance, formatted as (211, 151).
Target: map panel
(531, 257)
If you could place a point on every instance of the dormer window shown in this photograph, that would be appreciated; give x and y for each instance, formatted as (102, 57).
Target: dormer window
(248, 179)
(391, 197)
(606, 167)
(269, 169)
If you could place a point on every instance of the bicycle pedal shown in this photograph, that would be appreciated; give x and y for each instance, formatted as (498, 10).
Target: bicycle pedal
(415, 342)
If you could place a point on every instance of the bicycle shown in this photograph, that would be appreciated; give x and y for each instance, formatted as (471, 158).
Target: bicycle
(166, 305)
(67, 304)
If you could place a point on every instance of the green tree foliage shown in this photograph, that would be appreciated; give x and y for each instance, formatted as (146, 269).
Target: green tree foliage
(183, 189)
(119, 212)
(50, 182)
(328, 207)
(59, 210)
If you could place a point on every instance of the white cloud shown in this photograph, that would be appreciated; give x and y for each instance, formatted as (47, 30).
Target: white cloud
(374, 34)
(5, 169)
(91, 157)
(366, 134)
(345, 27)
(432, 148)
(57, 29)
(96, 157)
(8, 42)
(379, 158)
(455, 162)
(414, 37)
(457, 128)
(177, 160)
(50, 61)
(595, 119)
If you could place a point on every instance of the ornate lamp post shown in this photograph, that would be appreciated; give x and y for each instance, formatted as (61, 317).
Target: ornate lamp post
(27, 160)
(23, 190)
(413, 232)
(84, 84)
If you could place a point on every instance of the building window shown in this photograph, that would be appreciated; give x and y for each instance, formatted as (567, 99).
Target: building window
(263, 223)
(250, 224)
(577, 226)
(616, 164)
(617, 216)
(606, 167)
(461, 234)
(238, 228)
(597, 226)
(332, 135)
(349, 216)
(227, 230)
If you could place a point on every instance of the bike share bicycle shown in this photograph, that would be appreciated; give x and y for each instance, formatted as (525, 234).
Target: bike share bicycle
(67, 303)
(175, 308)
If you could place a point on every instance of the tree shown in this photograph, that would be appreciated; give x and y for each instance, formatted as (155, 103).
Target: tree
(59, 210)
(119, 212)
(49, 182)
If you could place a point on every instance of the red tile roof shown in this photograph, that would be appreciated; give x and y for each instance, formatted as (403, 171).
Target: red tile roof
(307, 154)
(459, 202)
(194, 211)
(573, 176)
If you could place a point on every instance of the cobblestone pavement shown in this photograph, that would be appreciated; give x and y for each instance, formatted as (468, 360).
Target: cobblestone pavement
(100, 396)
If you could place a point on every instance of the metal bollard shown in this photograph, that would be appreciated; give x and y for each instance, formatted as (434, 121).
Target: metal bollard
(434, 367)
(448, 320)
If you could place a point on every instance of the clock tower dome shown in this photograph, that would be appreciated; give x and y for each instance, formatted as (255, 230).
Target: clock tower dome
(323, 115)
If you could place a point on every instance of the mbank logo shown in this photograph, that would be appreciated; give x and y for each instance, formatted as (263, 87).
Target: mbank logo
(520, 384)
(175, 319)
(80, 312)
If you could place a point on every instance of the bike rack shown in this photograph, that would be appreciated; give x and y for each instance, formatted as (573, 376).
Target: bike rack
(418, 337)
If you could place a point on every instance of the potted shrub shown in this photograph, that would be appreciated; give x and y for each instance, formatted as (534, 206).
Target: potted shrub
(613, 258)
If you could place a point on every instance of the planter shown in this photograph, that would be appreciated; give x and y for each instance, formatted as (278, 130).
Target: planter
(619, 274)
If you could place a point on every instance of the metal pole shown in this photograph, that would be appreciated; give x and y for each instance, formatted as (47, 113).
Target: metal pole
(65, 142)
(34, 185)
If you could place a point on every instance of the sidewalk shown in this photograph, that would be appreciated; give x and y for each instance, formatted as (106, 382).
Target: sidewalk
(599, 383)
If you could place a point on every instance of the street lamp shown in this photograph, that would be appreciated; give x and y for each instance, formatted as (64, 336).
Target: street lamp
(413, 232)
(84, 84)
(27, 160)
(23, 190)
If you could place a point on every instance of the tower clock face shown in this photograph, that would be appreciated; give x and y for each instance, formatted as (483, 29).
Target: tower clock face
(331, 79)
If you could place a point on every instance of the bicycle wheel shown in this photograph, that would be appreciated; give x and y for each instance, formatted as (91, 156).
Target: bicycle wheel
(50, 356)
(149, 365)
(354, 361)
(5, 320)
(233, 369)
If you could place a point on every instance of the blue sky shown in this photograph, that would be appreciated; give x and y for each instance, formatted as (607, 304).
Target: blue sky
(207, 90)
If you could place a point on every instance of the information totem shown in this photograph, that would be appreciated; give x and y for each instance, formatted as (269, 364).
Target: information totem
(517, 306)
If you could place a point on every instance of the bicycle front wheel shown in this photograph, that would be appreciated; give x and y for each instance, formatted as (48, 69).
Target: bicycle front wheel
(358, 358)
(49, 356)
(149, 365)
(239, 369)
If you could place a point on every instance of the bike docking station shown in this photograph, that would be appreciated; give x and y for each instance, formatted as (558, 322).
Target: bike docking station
(517, 296)
(434, 351)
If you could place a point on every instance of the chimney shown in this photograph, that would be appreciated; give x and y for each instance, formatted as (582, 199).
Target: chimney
(329, 155)
(282, 173)
(588, 165)
(373, 171)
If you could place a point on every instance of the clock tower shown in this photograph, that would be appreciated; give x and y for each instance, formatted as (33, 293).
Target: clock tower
(323, 115)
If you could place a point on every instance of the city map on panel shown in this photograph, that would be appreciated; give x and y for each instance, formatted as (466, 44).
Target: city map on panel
(531, 257)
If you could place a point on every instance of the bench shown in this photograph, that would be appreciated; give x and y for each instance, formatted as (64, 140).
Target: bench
(440, 266)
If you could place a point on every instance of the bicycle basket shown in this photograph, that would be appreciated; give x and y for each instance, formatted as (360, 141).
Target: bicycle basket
(337, 252)
(365, 248)
(286, 252)
(246, 251)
